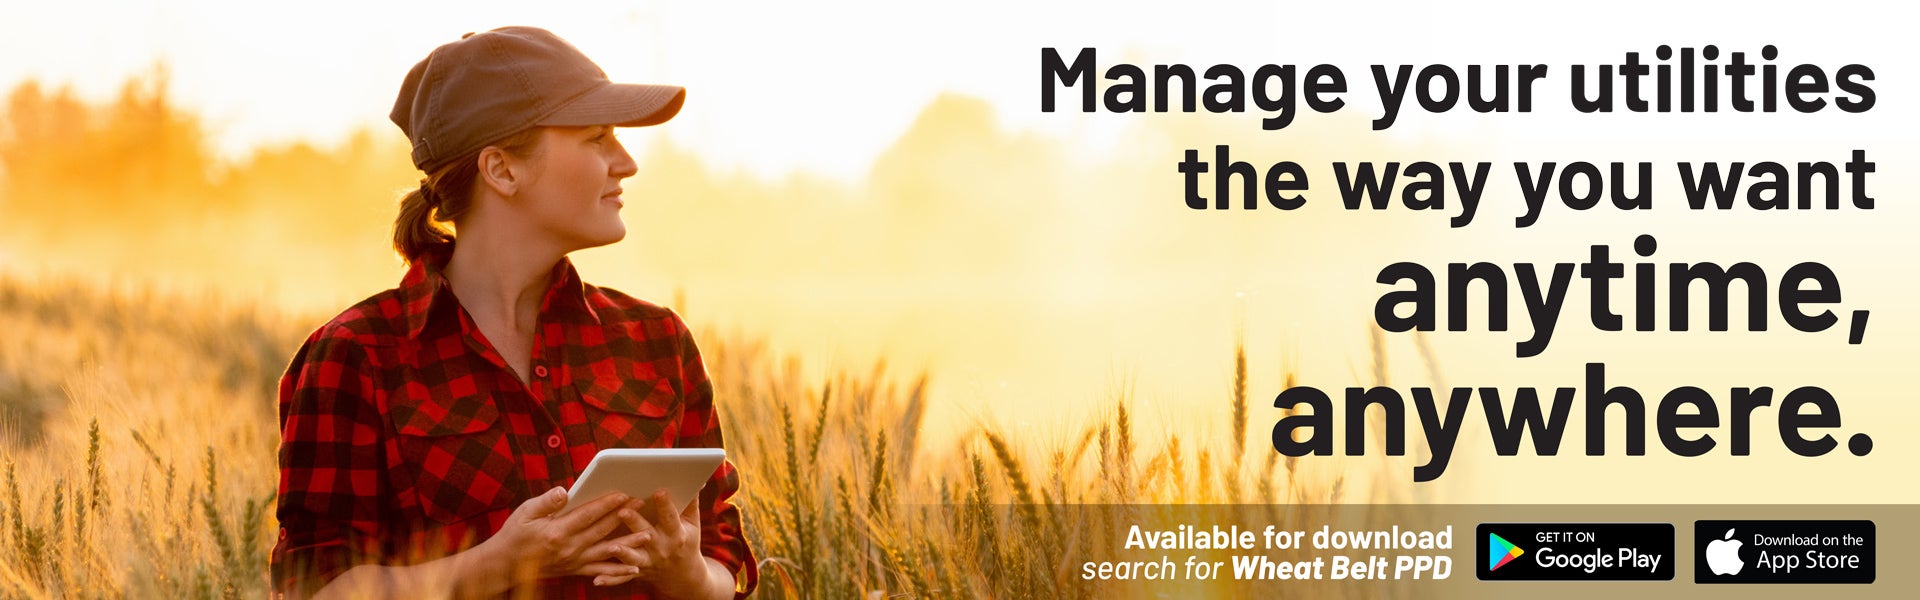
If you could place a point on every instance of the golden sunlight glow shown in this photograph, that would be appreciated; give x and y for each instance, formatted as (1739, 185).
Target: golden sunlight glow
(897, 195)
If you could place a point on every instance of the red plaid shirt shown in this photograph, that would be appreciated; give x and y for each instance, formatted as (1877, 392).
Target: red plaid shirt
(405, 436)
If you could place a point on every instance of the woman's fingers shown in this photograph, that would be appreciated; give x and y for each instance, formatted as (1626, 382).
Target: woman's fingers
(542, 505)
(603, 551)
(660, 511)
(599, 530)
(605, 580)
(635, 521)
(607, 569)
(570, 538)
(587, 514)
(638, 558)
(631, 540)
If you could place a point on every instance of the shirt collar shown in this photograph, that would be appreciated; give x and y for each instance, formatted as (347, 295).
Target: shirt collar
(425, 286)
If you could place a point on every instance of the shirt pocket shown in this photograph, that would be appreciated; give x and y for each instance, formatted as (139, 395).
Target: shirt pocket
(460, 456)
(630, 413)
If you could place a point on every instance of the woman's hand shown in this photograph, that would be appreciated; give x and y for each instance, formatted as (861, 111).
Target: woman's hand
(532, 544)
(538, 544)
(667, 553)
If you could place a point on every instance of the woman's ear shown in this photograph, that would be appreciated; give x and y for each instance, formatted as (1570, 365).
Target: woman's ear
(499, 172)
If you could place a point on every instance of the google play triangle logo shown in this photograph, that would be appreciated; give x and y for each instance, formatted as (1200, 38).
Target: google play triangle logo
(1500, 551)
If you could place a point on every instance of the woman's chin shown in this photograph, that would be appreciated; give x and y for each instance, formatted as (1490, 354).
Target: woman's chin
(602, 237)
(614, 236)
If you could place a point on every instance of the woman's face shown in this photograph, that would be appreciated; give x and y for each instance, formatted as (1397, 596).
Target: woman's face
(573, 190)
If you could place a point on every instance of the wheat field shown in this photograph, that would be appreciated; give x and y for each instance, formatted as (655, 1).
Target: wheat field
(140, 440)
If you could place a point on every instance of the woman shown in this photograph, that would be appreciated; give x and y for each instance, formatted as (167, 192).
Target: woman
(429, 432)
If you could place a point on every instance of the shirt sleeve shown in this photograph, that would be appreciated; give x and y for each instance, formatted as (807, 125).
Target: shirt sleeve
(331, 466)
(721, 536)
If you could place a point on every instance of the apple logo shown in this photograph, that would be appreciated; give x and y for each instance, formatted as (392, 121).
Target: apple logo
(1723, 556)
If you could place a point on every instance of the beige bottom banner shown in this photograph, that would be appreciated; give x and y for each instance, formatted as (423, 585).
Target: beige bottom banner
(1430, 551)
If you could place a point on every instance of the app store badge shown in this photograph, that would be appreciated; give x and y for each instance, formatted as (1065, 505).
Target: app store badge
(1783, 551)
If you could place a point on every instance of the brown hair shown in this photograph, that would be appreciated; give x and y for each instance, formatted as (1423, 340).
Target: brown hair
(444, 196)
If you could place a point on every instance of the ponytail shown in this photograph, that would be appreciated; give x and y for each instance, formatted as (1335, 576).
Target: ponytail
(444, 196)
(414, 232)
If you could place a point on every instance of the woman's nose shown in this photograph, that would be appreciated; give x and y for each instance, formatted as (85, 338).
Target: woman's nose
(622, 165)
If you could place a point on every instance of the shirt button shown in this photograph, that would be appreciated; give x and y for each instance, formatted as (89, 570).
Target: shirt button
(540, 371)
(553, 441)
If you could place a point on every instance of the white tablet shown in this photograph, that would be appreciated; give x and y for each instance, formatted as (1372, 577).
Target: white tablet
(639, 472)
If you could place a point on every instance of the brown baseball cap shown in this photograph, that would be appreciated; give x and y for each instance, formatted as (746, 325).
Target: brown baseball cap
(487, 85)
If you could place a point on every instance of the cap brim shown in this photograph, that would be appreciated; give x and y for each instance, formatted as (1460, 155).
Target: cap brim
(620, 105)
